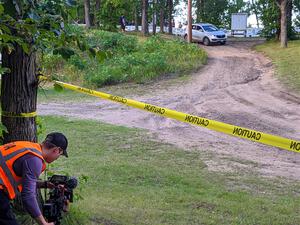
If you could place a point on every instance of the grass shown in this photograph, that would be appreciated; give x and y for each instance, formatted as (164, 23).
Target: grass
(122, 58)
(131, 179)
(48, 94)
(286, 61)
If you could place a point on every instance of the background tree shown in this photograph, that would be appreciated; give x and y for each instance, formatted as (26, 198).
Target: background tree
(162, 7)
(254, 9)
(269, 16)
(145, 29)
(283, 6)
(87, 18)
(170, 16)
(212, 11)
(27, 27)
(296, 4)
(97, 10)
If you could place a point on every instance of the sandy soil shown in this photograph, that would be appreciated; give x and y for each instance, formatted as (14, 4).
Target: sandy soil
(237, 86)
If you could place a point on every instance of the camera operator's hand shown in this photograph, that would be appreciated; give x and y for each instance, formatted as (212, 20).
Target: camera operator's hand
(45, 184)
(41, 221)
(50, 185)
(66, 207)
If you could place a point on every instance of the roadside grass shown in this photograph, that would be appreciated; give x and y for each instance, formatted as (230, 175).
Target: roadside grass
(48, 94)
(123, 58)
(286, 61)
(131, 179)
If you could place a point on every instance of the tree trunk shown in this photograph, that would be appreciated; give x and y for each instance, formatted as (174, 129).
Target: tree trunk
(254, 4)
(170, 16)
(154, 17)
(278, 32)
(283, 23)
(87, 18)
(136, 18)
(145, 30)
(199, 10)
(19, 94)
(97, 5)
(97, 10)
(162, 18)
(289, 19)
(189, 19)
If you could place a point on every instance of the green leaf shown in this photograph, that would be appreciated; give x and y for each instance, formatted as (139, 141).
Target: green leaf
(3, 128)
(58, 88)
(4, 28)
(4, 70)
(25, 47)
(1, 9)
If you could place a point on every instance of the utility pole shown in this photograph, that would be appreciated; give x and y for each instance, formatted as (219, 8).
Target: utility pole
(189, 25)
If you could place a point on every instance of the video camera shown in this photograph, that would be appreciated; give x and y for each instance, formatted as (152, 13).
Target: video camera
(58, 197)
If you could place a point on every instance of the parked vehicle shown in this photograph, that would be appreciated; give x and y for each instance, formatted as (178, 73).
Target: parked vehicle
(207, 34)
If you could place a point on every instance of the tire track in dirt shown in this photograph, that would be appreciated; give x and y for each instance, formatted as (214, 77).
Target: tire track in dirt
(237, 87)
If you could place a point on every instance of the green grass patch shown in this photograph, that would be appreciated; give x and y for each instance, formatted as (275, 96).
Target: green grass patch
(49, 94)
(125, 58)
(135, 180)
(286, 61)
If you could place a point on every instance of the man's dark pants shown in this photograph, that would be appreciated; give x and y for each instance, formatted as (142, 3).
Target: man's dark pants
(7, 216)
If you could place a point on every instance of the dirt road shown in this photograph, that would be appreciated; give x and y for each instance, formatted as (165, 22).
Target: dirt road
(237, 86)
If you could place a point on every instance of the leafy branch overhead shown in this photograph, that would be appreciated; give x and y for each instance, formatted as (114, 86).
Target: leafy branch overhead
(39, 25)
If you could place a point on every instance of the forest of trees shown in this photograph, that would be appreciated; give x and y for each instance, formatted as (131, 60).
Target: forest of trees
(105, 13)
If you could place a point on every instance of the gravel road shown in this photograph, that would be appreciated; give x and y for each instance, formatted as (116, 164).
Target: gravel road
(237, 86)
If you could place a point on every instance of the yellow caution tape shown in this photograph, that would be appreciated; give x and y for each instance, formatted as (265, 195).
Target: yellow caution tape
(19, 115)
(253, 135)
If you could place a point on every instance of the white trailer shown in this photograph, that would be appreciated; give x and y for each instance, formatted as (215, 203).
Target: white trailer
(239, 23)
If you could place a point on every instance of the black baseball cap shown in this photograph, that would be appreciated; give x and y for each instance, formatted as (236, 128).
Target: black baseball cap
(59, 140)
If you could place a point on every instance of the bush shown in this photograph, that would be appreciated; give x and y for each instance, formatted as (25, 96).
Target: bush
(114, 42)
(127, 60)
(154, 58)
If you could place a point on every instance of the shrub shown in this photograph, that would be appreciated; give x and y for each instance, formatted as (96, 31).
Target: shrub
(127, 59)
(114, 42)
(155, 57)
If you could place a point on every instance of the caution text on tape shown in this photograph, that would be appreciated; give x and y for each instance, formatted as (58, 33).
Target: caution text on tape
(253, 135)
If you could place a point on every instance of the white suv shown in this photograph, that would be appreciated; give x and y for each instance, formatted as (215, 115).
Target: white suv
(207, 33)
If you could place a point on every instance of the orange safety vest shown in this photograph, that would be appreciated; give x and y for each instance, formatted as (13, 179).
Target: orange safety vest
(9, 153)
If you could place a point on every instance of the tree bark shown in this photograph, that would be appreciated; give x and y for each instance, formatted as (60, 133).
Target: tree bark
(19, 94)
(87, 18)
(145, 30)
(254, 4)
(283, 22)
(97, 5)
(189, 19)
(289, 12)
(170, 16)
(154, 17)
(162, 17)
(136, 18)
(199, 10)
(97, 10)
